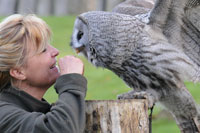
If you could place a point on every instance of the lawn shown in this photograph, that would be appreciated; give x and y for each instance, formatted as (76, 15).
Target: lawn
(103, 84)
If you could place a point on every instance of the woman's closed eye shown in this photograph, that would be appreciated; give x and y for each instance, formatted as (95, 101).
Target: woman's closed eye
(44, 50)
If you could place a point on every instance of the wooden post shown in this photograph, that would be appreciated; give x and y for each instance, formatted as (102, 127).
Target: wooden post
(117, 116)
(7, 7)
(44, 7)
(60, 7)
(27, 6)
(101, 5)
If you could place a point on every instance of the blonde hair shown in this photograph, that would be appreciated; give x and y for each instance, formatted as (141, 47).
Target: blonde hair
(17, 33)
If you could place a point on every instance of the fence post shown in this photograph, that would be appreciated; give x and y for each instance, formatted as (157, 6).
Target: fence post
(44, 7)
(27, 6)
(7, 7)
(101, 5)
(60, 7)
(117, 116)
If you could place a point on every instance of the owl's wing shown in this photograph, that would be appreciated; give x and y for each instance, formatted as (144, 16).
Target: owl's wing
(179, 22)
(134, 7)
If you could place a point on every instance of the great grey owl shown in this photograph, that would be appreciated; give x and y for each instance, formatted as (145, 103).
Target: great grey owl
(153, 51)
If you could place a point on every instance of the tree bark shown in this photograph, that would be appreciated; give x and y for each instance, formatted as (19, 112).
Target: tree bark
(117, 116)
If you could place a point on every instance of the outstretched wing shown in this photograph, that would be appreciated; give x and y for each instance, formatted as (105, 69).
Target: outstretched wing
(179, 21)
(134, 7)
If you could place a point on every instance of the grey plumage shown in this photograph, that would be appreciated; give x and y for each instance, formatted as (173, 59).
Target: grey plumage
(134, 7)
(152, 54)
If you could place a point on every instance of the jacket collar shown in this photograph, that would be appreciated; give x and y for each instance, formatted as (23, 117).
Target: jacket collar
(24, 100)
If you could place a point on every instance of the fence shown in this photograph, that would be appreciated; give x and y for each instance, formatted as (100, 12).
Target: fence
(54, 7)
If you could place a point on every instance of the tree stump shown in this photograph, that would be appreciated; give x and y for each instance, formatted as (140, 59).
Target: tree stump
(117, 116)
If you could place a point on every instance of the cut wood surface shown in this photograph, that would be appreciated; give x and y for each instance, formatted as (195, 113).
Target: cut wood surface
(117, 116)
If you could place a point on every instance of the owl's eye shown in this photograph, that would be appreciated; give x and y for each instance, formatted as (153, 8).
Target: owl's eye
(79, 35)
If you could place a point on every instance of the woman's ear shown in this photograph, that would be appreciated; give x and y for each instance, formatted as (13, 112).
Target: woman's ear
(18, 73)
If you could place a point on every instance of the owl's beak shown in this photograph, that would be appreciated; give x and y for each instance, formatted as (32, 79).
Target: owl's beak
(79, 49)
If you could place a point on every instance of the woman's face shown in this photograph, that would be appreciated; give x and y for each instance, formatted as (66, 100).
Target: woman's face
(40, 69)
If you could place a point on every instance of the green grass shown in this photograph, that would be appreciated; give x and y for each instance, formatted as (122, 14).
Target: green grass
(164, 126)
(102, 84)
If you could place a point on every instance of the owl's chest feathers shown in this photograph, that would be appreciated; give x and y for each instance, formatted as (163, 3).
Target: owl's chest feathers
(150, 67)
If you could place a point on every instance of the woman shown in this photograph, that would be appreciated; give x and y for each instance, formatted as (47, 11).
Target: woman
(27, 70)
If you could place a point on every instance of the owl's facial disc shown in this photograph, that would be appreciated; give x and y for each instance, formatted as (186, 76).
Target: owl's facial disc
(80, 37)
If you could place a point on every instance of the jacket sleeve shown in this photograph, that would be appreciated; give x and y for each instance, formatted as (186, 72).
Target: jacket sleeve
(66, 116)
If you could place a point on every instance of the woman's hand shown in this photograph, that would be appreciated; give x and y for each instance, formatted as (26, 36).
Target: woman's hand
(70, 64)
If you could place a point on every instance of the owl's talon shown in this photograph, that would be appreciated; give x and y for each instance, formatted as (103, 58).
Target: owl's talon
(139, 95)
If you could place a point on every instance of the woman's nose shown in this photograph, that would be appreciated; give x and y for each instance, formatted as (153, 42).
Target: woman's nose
(55, 52)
